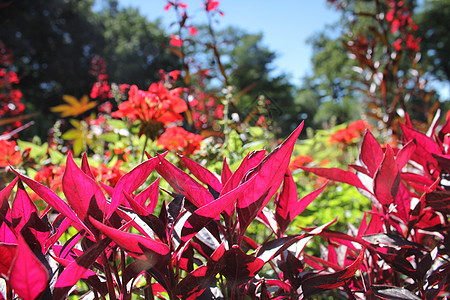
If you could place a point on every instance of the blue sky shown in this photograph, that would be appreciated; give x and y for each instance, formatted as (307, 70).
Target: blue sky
(285, 24)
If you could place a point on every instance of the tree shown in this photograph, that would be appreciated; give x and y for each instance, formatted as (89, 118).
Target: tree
(435, 38)
(53, 42)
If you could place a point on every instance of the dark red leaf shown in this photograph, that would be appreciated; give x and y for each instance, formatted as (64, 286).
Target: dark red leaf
(22, 208)
(317, 283)
(405, 154)
(150, 193)
(393, 293)
(371, 153)
(7, 254)
(226, 172)
(78, 268)
(85, 167)
(387, 178)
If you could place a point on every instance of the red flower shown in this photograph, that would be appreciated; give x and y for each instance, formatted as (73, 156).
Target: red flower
(175, 41)
(179, 140)
(300, 161)
(9, 153)
(174, 74)
(212, 5)
(155, 108)
(156, 104)
(193, 30)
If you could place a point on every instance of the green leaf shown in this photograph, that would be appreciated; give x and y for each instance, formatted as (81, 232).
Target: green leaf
(110, 137)
(117, 124)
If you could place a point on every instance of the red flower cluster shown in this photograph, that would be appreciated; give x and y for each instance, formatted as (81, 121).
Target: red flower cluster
(155, 108)
(399, 15)
(9, 153)
(205, 110)
(175, 41)
(345, 136)
(10, 105)
(179, 140)
(101, 88)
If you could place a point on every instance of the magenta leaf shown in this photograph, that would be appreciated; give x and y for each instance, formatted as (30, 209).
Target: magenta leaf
(205, 214)
(288, 206)
(130, 182)
(27, 277)
(22, 208)
(338, 175)
(78, 268)
(251, 160)
(371, 153)
(138, 246)
(4, 198)
(318, 283)
(269, 174)
(226, 172)
(425, 146)
(202, 174)
(52, 199)
(387, 178)
(183, 183)
(82, 192)
(150, 193)
(86, 168)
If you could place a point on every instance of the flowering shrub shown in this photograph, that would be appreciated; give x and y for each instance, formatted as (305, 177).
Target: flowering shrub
(11, 107)
(9, 153)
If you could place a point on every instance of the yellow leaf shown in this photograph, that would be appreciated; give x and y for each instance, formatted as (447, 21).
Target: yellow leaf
(73, 106)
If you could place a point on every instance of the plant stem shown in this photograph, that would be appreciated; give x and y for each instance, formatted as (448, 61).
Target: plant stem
(148, 291)
(143, 149)
(109, 280)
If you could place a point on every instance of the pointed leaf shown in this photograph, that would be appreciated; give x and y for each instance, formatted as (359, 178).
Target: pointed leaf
(205, 214)
(77, 268)
(317, 283)
(130, 182)
(151, 193)
(202, 174)
(269, 174)
(405, 154)
(7, 254)
(387, 179)
(393, 293)
(183, 183)
(338, 175)
(27, 277)
(80, 189)
(22, 208)
(52, 199)
(135, 244)
(371, 153)
(86, 168)
(226, 172)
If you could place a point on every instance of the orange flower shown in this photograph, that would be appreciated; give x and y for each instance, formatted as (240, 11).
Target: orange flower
(300, 161)
(179, 140)
(9, 153)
